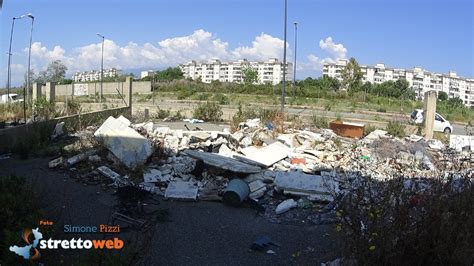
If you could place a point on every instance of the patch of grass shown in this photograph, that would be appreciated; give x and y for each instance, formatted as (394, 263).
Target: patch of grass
(209, 111)
(368, 129)
(319, 121)
(19, 210)
(396, 129)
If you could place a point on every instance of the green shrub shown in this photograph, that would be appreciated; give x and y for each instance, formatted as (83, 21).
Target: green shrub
(220, 98)
(396, 129)
(208, 111)
(44, 108)
(319, 121)
(381, 110)
(162, 114)
(368, 129)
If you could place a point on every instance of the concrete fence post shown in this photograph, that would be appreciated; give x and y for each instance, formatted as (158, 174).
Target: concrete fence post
(50, 91)
(429, 113)
(36, 91)
(128, 86)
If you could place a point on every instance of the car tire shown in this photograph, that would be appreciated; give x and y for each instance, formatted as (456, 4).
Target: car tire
(447, 130)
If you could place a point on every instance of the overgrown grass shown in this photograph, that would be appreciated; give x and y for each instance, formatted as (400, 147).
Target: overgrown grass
(409, 222)
(209, 111)
(19, 210)
(396, 129)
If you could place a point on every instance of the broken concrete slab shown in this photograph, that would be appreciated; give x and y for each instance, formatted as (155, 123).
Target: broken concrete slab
(298, 183)
(461, 142)
(56, 162)
(153, 175)
(181, 190)
(286, 206)
(223, 162)
(94, 158)
(58, 130)
(376, 134)
(265, 156)
(79, 157)
(124, 120)
(131, 148)
(107, 172)
(257, 189)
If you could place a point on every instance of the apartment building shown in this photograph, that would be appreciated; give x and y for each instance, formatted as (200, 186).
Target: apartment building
(268, 72)
(94, 75)
(419, 79)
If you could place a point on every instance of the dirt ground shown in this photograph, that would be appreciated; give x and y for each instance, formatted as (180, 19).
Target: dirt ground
(180, 233)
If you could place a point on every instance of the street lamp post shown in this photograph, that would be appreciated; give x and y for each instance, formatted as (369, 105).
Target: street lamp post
(28, 77)
(294, 66)
(283, 92)
(101, 67)
(9, 61)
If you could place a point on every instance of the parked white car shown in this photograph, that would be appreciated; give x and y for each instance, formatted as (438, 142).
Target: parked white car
(14, 98)
(440, 124)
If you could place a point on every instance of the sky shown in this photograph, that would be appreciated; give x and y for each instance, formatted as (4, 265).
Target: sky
(437, 35)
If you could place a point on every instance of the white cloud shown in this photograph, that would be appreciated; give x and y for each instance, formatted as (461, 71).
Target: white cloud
(264, 47)
(336, 50)
(314, 64)
(200, 45)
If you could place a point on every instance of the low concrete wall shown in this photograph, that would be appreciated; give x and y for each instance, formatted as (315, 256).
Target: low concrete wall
(30, 135)
(141, 87)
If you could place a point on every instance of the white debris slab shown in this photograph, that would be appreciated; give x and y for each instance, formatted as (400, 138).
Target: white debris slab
(377, 134)
(265, 156)
(58, 130)
(298, 183)
(79, 157)
(107, 172)
(223, 162)
(181, 190)
(131, 148)
(154, 175)
(56, 162)
(286, 206)
(458, 142)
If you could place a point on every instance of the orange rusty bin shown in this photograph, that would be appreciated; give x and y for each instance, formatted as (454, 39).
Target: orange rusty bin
(346, 129)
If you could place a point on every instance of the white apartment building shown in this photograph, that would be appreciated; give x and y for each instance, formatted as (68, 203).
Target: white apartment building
(419, 79)
(269, 72)
(94, 75)
(148, 73)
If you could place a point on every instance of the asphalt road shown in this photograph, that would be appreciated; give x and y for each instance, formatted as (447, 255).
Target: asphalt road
(196, 233)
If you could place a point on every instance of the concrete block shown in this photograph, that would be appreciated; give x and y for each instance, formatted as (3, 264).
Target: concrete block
(131, 148)
(298, 183)
(286, 206)
(264, 156)
(223, 162)
(181, 190)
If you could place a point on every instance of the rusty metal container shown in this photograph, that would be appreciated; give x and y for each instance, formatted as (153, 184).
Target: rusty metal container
(346, 129)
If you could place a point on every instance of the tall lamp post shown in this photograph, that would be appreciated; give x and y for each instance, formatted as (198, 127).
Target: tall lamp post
(9, 61)
(28, 78)
(283, 92)
(294, 66)
(101, 67)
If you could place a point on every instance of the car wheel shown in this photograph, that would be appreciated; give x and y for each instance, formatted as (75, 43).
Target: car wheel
(447, 130)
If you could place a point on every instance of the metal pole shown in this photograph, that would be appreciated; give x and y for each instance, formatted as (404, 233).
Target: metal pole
(294, 66)
(283, 92)
(28, 81)
(101, 67)
(102, 71)
(9, 62)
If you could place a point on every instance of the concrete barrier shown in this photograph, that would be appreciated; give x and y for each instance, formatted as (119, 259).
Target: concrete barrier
(31, 135)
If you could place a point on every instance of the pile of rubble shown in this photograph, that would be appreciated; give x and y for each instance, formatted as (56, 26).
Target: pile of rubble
(277, 172)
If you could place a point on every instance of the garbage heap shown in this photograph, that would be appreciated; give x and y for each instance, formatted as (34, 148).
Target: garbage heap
(254, 164)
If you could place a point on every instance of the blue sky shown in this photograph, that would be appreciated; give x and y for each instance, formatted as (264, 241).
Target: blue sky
(152, 34)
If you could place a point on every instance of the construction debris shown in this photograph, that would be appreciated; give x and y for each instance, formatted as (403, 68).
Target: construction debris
(259, 167)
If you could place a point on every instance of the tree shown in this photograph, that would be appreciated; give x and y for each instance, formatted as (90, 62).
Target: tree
(249, 75)
(442, 96)
(455, 102)
(171, 73)
(351, 75)
(55, 72)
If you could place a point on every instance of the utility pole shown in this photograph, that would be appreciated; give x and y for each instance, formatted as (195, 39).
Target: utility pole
(283, 92)
(101, 67)
(294, 66)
